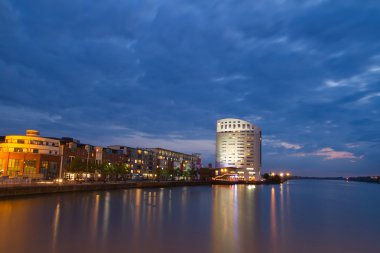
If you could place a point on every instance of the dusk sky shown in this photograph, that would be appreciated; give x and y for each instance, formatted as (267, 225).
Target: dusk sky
(160, 73)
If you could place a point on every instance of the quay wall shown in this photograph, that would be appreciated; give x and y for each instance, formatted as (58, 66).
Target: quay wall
(33, 189)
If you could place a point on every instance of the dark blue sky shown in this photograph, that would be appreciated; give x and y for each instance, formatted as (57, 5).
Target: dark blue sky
(160, 73)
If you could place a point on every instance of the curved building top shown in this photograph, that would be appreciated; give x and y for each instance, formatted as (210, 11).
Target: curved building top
(231, 124)
(32, 142)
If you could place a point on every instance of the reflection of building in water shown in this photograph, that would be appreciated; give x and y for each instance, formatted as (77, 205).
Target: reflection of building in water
(238, 144)
(273, 217)
(233, 208)
(55, 226)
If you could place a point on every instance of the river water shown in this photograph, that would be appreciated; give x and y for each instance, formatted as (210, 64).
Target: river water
(297, 216)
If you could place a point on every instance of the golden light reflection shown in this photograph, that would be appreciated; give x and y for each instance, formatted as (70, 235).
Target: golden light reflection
(106, 213)
(95, 216)
(149, 208)
(55, 227)
(273, 220)
(137, 212)
(225, 219)
(6, 214)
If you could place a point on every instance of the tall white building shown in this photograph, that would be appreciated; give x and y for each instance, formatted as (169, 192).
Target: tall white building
(238, 144)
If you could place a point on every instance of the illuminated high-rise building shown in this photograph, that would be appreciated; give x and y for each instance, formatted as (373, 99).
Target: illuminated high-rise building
(238, 144)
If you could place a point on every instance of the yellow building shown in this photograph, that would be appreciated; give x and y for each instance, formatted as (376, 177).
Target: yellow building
(29, 156)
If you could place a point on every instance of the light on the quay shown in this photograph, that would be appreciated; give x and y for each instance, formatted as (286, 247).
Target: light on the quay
(59, 180)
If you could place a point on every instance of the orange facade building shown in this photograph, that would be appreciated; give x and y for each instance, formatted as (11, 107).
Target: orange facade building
(29, 156)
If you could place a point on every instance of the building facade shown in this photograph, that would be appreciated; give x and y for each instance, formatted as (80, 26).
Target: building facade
(238, 144)
(29, 156)
(89, 155)
(36, 157)
(138, 160)
(168, 159)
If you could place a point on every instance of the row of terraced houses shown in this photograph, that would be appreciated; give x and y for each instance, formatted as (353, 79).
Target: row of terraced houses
(34, 156)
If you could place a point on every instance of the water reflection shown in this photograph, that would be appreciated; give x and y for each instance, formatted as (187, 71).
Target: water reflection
(283, 218)
(55, 226)
(95, 219)
(273, 218)
(235, 221)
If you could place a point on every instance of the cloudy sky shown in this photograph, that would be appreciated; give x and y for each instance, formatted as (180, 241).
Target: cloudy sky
(160, 73)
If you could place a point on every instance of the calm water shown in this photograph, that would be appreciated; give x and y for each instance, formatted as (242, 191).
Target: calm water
(299, 216)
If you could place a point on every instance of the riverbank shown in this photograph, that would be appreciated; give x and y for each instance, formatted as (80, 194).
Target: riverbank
(34, 189)
(15, 190)
(369, 179)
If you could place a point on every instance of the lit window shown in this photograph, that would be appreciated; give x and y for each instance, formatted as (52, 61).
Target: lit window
(30, 167)
(14, 167)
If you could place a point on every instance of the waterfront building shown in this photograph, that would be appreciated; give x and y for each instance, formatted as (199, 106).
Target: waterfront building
(138, 160)
(36, 157)
(168, 159)
(207, 174)
(238, 145)
(29, 156)
(87, 156)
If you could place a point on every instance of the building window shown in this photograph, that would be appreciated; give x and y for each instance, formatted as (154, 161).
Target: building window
(17, 150)
(52, 172)
(20, 141)
(35, 151)
(14, 167)
(44, 168)
(30, 167)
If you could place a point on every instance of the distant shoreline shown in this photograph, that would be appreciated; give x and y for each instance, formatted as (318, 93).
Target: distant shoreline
(367, 179)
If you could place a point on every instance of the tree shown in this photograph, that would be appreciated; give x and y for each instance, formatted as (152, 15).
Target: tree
(77, 165)
(159, 173)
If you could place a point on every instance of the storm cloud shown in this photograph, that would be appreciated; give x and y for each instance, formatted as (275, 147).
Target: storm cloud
(149, 73)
